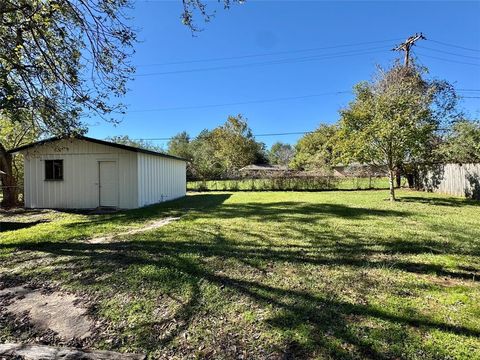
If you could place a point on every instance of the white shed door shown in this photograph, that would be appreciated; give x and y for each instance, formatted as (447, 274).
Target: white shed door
(108, 183)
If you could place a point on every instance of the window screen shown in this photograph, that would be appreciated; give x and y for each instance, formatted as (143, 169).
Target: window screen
(53, 169)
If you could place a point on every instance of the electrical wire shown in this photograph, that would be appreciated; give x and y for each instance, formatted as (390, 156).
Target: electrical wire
(274, 62)
(448, 60)
(265, 54)
(242, 102)
(448, 52)
(455, 46)
(261, 101)
(255, 135)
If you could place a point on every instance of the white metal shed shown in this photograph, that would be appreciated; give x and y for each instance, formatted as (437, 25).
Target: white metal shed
(85, 173)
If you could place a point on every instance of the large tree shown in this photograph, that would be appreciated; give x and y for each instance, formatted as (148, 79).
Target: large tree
(13, 135)
(138, 143)
(63, 59)
(394, 119)
(180, 145)
(236, 145)
(225, 149)
(281, 154)
(461, 143)
(317, 151)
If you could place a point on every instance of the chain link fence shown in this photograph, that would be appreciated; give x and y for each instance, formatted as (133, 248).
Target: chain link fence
(290, 183)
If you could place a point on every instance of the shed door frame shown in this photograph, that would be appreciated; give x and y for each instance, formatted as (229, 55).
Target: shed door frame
(115, 196)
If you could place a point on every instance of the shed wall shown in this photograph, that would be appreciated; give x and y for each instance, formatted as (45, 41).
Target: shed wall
(79, 189)
(160, 179)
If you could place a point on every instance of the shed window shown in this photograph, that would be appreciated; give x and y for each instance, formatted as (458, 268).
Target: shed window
(53, 169)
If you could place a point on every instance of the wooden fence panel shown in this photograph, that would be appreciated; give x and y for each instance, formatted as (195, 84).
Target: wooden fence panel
(453, 179)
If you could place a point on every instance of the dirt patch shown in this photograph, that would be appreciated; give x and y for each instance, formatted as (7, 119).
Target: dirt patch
(148, 227)
(54, 311)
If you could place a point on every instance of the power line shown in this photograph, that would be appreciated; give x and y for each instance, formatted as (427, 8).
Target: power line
(243, 102)
(455, 46)
(449, 53)
(274, 62)
(255, 135)
(448, 60)
(266, 54)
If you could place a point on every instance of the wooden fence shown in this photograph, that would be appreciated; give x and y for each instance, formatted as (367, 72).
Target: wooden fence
(453, 179)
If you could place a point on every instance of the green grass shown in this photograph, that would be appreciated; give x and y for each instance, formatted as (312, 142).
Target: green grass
(345, 275)
(289, 184)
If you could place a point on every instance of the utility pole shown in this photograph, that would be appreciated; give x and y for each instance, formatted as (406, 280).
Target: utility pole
(407, 45)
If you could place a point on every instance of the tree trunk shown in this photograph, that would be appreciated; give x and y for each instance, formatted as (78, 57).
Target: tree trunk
(398, 178)
(9, 183)
(411, 180)
(391, 181)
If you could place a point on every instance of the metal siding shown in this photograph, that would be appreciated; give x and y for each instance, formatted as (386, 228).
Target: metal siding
(79, 189)
(160, 179)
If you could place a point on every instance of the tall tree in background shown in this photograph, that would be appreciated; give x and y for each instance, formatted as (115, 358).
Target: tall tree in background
(219, 152)
(281, 154)
(235, 145)
(142, 144)
(316, 151)
(394, 119)
(461, 144)
(205, 161)
(180, 145)
(13, 135)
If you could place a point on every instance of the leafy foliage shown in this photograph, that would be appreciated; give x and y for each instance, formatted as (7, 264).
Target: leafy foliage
(191, 8)
(142, 144)
(223, 150)
(13, 135)
(281, 154)
(179, 145)
(61, 58)
(394, 119)
(317, 151)
(462, 142)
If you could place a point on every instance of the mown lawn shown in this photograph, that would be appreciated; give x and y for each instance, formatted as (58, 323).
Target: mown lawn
(343, 275)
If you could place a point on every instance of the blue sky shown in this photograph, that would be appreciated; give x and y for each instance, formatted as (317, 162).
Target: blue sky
(279, 50)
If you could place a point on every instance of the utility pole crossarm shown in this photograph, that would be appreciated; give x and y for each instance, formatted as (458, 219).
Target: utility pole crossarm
(407, 45)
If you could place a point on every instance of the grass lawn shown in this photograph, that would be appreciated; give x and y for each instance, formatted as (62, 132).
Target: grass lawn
(343, 275)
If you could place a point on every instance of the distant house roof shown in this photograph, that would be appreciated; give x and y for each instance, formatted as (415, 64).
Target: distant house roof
(97, 141)
(264, 167)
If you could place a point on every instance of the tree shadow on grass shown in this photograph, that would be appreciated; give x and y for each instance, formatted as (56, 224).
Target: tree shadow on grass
(327, 316)
(178, 265)
(440, 201)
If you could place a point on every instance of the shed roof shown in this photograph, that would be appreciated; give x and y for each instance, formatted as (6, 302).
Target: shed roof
(93, 140)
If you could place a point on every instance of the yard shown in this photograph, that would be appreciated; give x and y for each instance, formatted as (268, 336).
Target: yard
(342, 275)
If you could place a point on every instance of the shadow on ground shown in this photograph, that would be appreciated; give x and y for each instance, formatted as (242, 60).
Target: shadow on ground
(182, 260)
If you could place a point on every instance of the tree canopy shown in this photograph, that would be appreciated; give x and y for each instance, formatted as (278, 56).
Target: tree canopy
(316, 151)
(394, 119)
(281, 154)
(142, 144)
(221, 151)
(461, 143)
